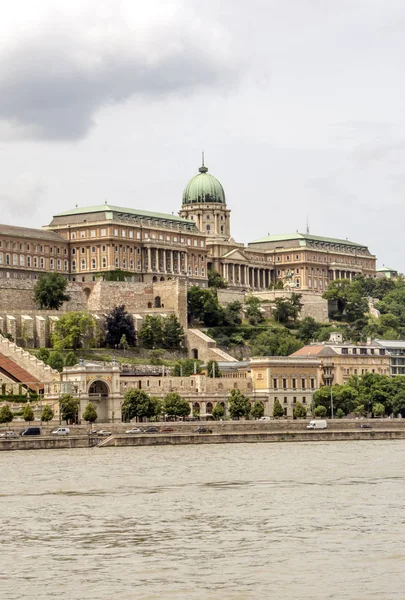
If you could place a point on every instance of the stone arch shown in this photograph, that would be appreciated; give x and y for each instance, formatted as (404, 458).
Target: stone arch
(209, 408)
(162, 279)
(196, 407)
(157, 303)
(98, 387)
(154, 279)
(87, 292)
(194, 353)
(149, 304)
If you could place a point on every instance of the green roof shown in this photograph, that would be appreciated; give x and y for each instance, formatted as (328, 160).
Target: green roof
(123, 210)
(386, 270)
(304, 237)
(203, 188)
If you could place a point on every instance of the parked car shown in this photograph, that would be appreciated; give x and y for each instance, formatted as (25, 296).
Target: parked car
(101, 432)
(365, 426)
(134, 430)
(31, 431)
(202, 430)
(265, 419)
(61, 431)
(9, 434)
(151, 430)
(166, 430)
(317, 424)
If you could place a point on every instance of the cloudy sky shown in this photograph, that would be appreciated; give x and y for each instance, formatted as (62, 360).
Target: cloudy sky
(298, 105)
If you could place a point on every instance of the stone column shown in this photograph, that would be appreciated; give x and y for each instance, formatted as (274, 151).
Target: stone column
(164, 261)
(149, 259)
(186, 262)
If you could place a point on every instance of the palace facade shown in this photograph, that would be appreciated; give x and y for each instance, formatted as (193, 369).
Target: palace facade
(86, 243)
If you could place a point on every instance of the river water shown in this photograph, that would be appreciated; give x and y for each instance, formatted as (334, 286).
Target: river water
(280, 521)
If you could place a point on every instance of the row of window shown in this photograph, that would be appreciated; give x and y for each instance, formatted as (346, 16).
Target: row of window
(294, 383)
(326, 258)
(31, 247)
(124, 264)
(364, 351)
(131, 234)
(20, 260)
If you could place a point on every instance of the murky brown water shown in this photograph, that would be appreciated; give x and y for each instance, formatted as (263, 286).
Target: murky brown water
(279, 521)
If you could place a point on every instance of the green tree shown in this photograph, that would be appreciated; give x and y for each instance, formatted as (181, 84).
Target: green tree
(398, 403)
(300, 411)
(28, 413)
(320, 411)
(151, 332)
(213, 314)
(173, 333)
(203, 306)
(6, 414)
(215, 280)
(378, 410)
(275, 341)
(339, 413)
(287, 308)
(156, 408)
(74, 330)
(253, 311)
(90, 413)
(137, 404)
(213, 369)
(277, 409)
(239, 404)
(175, 405)
(218, 411)
(232, 313)
(308, 330)
(43, 354)
(50, 291)
(186, 367)
(69, 408)
(47, 414)
(119, 322)
(257, 410)
(70, 360)
(55, 361)
(348, 296)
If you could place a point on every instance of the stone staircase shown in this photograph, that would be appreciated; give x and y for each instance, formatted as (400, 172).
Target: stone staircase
(37, 368)
(206, 347)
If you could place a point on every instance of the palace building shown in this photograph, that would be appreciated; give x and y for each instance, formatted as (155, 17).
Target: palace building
(86, 242)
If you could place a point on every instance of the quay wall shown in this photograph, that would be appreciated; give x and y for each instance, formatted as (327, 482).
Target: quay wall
(187, 438)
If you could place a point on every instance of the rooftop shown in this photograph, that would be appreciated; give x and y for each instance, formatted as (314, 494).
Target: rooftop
(27, 232)
(108, 209)
(305, 237)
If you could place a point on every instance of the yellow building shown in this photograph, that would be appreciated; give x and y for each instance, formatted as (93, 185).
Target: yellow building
(289, 379)
(340, 360)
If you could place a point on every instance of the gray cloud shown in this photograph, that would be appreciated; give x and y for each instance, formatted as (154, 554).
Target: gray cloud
(49, 93)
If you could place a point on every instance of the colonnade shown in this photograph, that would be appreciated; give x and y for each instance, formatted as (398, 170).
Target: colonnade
(343, 274)
(244, 275)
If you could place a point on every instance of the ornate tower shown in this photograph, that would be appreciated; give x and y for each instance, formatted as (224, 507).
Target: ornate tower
(204, 203)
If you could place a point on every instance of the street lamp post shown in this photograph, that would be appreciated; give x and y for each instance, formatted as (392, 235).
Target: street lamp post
(331, 402)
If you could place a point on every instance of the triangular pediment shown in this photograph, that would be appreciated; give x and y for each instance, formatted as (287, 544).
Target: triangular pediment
(236, 254)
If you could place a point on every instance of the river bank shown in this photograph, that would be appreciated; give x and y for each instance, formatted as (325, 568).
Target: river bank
(186, 438)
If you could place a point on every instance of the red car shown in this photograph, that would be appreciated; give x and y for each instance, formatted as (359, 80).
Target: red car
(166, 430)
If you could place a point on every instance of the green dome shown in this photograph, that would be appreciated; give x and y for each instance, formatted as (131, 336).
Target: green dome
(203, 188)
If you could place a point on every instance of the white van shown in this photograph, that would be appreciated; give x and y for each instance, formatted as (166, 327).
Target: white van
(319, 424)
(61, 431)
